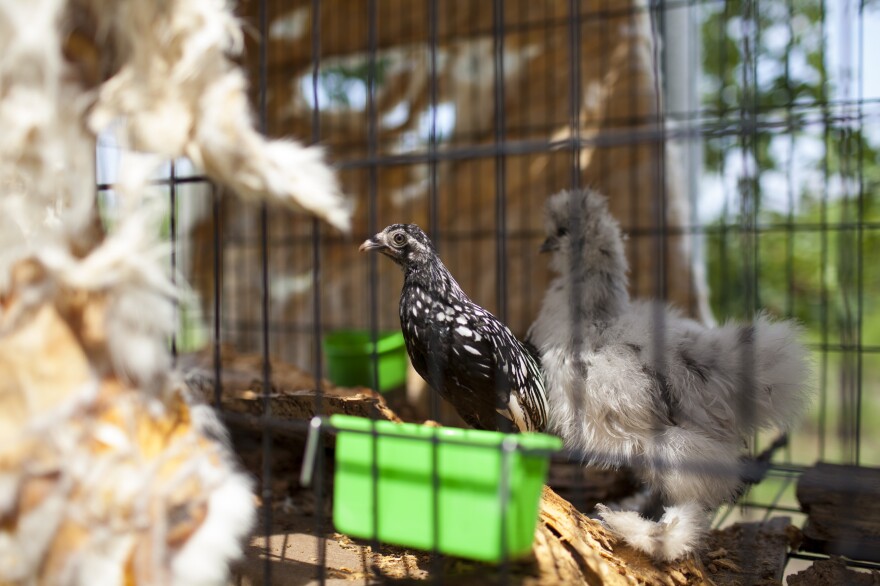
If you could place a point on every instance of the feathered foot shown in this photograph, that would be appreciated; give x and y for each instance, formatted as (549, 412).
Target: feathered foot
(676, 534)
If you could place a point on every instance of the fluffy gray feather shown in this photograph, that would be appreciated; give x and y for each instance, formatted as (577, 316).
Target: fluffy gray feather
(636, 383)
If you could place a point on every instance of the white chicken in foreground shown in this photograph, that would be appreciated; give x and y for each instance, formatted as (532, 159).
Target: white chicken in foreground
(680, 415)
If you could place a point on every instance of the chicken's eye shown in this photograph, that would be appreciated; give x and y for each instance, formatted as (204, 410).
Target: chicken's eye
(398, 239)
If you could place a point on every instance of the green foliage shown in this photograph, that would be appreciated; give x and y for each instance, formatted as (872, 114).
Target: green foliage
(814, 259)
(767, 60)
(812, 271)
(749, 74)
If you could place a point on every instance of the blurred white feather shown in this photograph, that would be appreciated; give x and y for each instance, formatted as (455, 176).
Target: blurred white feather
(109, 473)
(46, 161)
(107, 479)
(177, 93)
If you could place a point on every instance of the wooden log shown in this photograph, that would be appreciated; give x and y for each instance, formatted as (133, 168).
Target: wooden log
(843, 504)
(293, 396)
(571, 548)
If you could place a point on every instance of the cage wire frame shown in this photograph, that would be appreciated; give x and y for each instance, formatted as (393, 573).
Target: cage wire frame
(842, 119)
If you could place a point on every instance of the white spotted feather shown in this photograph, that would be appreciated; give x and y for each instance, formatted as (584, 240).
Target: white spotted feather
(469, 357)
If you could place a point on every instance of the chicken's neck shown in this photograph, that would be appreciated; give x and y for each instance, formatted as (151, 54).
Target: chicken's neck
(594, 295)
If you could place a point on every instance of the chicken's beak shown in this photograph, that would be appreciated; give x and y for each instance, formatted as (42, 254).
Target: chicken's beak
(550, 244)
(372, 243)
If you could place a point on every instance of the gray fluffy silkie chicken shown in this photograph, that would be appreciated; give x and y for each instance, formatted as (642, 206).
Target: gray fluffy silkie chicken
(680, 416)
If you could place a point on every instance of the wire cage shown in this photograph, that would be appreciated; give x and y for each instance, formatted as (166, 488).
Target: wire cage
(736, 142)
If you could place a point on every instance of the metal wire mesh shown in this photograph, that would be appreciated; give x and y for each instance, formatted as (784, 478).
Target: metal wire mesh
(739, 140)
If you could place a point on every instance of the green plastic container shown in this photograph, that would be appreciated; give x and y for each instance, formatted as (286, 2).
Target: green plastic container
(350, 358)
(470, 503)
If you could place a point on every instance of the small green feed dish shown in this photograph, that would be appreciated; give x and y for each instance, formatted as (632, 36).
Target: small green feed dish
(350, 358)
(471, 513)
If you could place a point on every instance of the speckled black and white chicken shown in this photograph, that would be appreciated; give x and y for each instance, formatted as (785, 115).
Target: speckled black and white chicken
(464, 352)
(636, 383)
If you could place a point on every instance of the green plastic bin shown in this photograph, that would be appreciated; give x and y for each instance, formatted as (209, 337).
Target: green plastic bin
(350, 358)
(469, 499)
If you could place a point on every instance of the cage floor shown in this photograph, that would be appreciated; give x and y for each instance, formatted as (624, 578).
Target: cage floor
(303, 547)
(294, 557)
